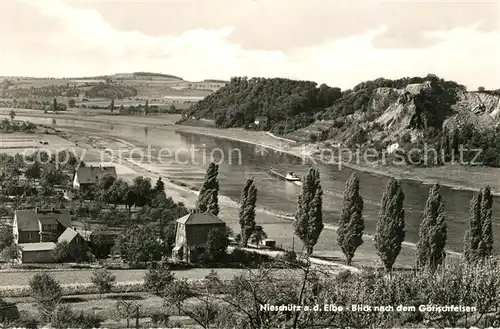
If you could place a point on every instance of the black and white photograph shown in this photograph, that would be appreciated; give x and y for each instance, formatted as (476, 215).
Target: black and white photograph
(249, 164)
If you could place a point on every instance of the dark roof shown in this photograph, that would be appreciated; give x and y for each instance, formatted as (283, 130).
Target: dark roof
(90, 175)
(28, 220)
(200, 218)
(261, 118)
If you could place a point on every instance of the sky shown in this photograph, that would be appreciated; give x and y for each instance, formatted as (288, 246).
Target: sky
(338, 42)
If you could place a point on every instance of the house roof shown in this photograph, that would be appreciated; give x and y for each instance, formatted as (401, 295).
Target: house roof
(67, 236)
(29, 219)
(260, 118)
(200, 218)
(38, 246)
(90, 175)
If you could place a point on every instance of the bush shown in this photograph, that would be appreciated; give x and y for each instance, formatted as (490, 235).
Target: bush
(159, 318)
(26, 321)
(157, 278)
(47, 293)
(65, 317)
(103, 280)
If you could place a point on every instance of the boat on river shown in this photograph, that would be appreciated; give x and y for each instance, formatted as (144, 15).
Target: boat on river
(290, 176)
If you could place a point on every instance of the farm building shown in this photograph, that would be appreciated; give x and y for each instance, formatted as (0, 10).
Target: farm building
(86, 177)
(37, 232)
(192, 232)
(39, 252)
(37, 225)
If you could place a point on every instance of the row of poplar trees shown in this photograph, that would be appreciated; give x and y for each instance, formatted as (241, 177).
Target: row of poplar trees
(390, 228)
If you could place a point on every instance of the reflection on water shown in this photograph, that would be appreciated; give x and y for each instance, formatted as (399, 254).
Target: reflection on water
(242, 161)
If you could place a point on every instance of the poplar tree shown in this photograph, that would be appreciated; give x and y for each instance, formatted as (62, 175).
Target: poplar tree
(309, 217)
(478, 243)
(146, 107)
(390, 231)
(112, 105)
(433, 231)
(209, 192)
(247, 210)
(351, 223)
(473, 233)
(54, 105)
(486, 244)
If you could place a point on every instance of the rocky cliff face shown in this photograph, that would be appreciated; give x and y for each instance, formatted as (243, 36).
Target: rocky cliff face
(392, 113)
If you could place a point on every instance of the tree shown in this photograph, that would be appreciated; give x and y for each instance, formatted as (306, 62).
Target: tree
(159, 186)
(177, 292)
(54, 105)
(140, 245)
(480, 89)
(112, 105)
(146, 107)
(309, 217)
(6, 237)
(12, 115)
(433, 229)
(158, 278)
(390, 231)
(62, 251)
(71, 102)
(208, 197)
(103, 280)
(142, 191)
(12, 252)
(47, 293)
(351, 223)
(216, 246)
(258, 235)
(473, 233)
(478, 243)
(33, 171)
(247, 210)
(486, 244)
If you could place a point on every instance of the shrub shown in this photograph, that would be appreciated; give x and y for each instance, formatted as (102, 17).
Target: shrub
(47, 293)
(157, 278)
(103, 280)
(65, 317)
(159, 318)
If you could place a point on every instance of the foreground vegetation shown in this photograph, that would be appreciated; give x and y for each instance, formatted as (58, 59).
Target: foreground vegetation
(263, 298)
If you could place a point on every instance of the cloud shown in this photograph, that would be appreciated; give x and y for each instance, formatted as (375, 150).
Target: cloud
(65, 40)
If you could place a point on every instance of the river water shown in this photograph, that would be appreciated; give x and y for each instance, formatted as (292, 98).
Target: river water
(185, 157)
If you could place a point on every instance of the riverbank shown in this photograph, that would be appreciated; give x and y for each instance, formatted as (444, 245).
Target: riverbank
(454, 176)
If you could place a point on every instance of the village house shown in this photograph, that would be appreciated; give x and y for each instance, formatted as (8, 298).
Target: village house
(192, 232)
(37, 231)
(86, 177)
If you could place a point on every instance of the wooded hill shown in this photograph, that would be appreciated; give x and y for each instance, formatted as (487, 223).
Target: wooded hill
(374, 113)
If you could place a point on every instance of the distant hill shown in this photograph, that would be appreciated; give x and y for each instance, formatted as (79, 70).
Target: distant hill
(111, 91)
(215, 81)
(133, 76)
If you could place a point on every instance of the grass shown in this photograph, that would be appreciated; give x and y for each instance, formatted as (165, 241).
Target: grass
(105, 306)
